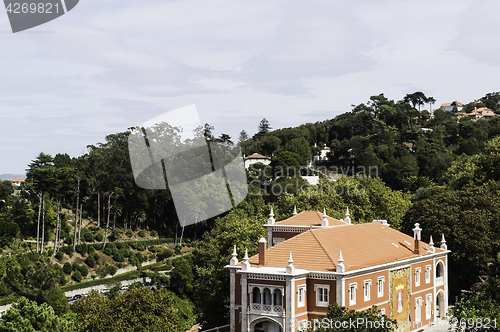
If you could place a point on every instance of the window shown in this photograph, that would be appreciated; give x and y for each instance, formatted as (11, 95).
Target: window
(277, 240)
(418, 305)
(277, 298)
(380, 286)
(427, 274)
(322, 295)
(428, 306)
(439, 273)
(417, 276)
(301, 294)
(367, 288)
(352, 293)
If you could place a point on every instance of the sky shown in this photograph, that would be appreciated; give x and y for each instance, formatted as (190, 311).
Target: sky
(108, 65)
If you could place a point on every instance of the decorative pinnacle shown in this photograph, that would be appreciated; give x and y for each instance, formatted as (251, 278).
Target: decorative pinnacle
(290, 259)
(347, 211)
(341, 259)
(272, 213)
(324, 213)
(442, 239)
(246, 255)
(295, 209)
(431, 243)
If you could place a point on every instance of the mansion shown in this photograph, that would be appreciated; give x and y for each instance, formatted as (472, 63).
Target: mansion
(311, 260)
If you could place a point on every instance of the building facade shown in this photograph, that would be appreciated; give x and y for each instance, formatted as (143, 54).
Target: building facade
(311, 260)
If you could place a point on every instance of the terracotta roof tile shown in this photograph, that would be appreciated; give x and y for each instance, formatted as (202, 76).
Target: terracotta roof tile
(362, 245)
(256, 156)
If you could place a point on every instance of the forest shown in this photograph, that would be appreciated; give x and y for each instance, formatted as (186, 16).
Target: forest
(433, 168)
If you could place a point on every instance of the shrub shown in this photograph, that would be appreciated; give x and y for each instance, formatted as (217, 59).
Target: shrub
(90, 250)
(96, 257)
(133, 260)
(81, 248)
(129, 233)
(119, 258)
(88, 237)
(76, 266)
(142, 233)
(125, 252)
(154, 233)
(59, 256)
(90, 261)
(67, 268)
(98, 246)
(84, 270)
(77, 276)
(177, 250)
(68, 240)
(140, 257)
(152, 249)
(140, 247)
(151, 257)
(99, 237)
(108, 251)
(115, 235)
(167, 253)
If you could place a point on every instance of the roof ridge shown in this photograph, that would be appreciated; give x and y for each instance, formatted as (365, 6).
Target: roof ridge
(326, 252)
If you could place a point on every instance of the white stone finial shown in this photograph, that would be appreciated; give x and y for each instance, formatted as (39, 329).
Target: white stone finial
(324, 221)
(234, 259)
(270, 221)
(431, 248)
(245, 265)
(417, 231)
(295, 209)
(347, 219)
(340, 265)
(443, 243)
(290, 269)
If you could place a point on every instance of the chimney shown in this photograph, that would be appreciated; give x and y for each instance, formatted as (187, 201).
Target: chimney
(262, 252)
(416, 238)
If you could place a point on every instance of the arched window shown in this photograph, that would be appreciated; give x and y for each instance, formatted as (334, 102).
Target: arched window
(439, 270)
(256, 295)
(277, 298)
(267, 296)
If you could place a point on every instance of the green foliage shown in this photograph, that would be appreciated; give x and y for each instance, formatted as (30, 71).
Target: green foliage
(181, 278)
(75, 266)
(59, 256)
(100, 314)
(129, 233)
(67, 268)
(84, 270)
(25, 315)
(81, 248)
(371, 320)
(166, 253)
(470, 221)
(177, 249)
(99, 237)
(119, 258)
(141, 233)
(154, 233)
(77, 276)
(90, 261)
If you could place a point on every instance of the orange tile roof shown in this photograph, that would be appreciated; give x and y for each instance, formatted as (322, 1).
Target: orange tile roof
(362, 245)
(308, 218)
(256, 156)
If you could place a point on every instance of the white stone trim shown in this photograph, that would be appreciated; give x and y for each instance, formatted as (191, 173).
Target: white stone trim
(352, 293)
(302, 288)
(318, 302)
(380, 290)
(367, 284)
(428, 271)
(322, 276)
(265, 277)
(418, 271)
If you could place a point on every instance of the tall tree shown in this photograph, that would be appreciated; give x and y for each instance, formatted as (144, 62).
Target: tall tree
(264, 126)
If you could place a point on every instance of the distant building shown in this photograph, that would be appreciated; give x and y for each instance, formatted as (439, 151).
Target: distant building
(478, 113)
(453, 106)
(311, 260)
(322, 155)
(17, 182)
(256, 158)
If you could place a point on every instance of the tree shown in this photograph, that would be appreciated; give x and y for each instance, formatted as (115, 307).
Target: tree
(243, 136)
(470, 220)
(138, 309)
(264, 126)
(26, 315)
(340, 319)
